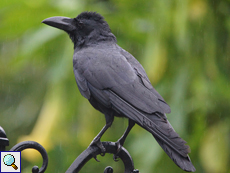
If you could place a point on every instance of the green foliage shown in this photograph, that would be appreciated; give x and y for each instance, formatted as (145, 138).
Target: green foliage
(184, 45)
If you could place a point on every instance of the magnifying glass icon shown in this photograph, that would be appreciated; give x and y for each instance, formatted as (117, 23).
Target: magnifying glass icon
(9, 160)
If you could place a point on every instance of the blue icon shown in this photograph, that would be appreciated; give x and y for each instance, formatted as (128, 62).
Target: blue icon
(9, 160)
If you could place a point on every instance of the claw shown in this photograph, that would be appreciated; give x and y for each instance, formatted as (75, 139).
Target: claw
(102, 154)
(99, 144)
(115, 156)
(95, 157)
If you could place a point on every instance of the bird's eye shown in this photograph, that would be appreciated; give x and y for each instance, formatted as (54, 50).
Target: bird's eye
(79, 23)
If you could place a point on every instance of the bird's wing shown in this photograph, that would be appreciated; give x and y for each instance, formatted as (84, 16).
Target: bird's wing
(140, 72)
(116, 80)
(110, 70)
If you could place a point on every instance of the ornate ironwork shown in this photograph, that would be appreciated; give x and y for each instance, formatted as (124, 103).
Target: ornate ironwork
(3, 140)
(34, 145)
(80, 161)
(93, 151)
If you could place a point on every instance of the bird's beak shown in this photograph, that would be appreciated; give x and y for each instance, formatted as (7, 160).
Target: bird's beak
(63, 23)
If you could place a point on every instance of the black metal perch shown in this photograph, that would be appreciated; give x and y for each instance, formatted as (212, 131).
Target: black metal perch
(3, 140)
(34, 145)
(80, 161)
(93, 151)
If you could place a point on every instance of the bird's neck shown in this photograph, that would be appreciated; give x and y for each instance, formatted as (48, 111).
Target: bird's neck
(93, 38)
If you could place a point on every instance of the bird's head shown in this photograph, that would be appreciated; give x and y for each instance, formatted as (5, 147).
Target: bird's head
(86, 28)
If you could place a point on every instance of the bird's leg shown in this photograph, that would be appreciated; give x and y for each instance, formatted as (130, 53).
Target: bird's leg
(121, 141)
(96, 141)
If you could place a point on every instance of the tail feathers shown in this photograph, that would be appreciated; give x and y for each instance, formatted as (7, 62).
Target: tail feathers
(171, 143)
(162, 129)
(158, 125)
(181, 161)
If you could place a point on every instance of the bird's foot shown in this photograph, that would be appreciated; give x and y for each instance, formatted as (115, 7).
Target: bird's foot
(96, 141)
(119, 146)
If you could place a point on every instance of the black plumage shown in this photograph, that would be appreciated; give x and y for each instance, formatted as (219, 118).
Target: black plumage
(116, 84)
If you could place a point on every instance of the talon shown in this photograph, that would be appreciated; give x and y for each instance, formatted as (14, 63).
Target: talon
(102, 154)
(95, 157)
(115, 156)
(99, 144)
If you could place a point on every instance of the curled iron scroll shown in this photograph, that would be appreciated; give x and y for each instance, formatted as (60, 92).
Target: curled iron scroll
(3, 140)
(34, 145)
(93, 151)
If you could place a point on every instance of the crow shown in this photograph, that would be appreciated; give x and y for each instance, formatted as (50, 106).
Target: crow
(116, 84)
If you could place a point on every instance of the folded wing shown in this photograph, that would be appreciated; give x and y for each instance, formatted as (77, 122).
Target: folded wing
(119, 82)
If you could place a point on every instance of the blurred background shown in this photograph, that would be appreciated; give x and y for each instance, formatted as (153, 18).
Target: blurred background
(184, 45)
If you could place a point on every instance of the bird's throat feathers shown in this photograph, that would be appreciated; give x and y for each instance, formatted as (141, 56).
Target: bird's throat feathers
(95, 37)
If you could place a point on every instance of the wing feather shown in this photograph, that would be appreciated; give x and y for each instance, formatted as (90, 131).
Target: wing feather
(155, 123)
(118, 82)
(115, 72)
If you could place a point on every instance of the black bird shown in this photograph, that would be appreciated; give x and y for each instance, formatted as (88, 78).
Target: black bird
(116, 84)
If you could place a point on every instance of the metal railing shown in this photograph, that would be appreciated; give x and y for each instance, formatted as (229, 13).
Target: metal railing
(80, 161)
